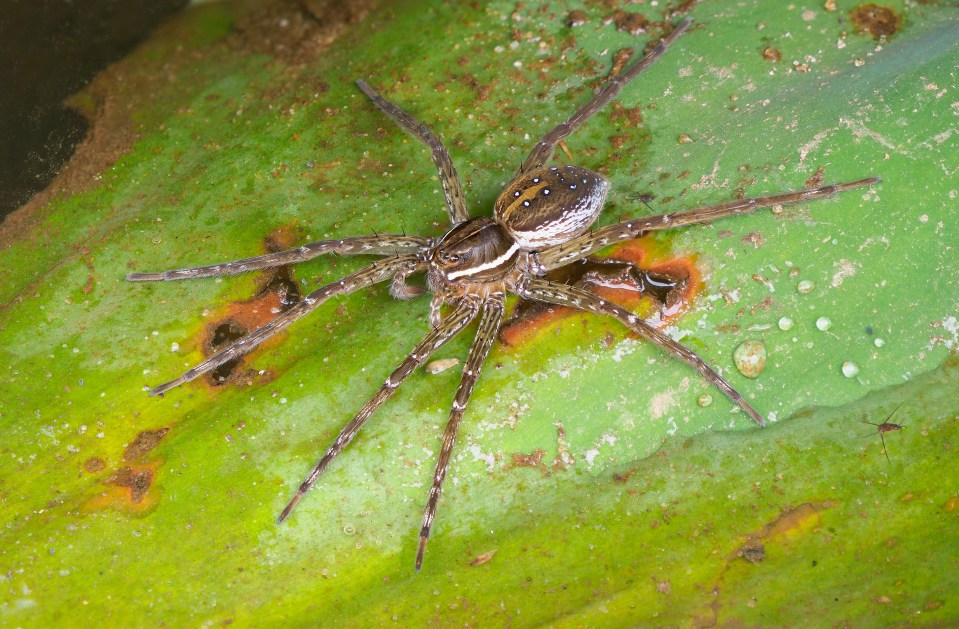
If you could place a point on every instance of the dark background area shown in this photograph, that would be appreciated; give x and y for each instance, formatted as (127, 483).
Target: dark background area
(50, 49)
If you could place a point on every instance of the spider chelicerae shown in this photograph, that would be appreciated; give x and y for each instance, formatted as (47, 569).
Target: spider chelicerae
(540, 222)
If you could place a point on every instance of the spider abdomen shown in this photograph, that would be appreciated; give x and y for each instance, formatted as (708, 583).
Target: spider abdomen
(547, 206)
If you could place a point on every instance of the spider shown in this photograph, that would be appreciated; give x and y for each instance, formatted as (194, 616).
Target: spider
(541, 221)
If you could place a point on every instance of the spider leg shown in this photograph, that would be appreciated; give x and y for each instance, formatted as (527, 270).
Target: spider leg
(663, 289)
(545, 147)
(884, 451)
(376, 272)
(489, 325)
(464, 312)
(574, 297)
(436, 314)
(628, 230)
(381, 245)
(455, 200)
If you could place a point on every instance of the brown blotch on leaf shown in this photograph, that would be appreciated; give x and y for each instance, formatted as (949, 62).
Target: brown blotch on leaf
(94, 464)
(534, 460)
(753, 552)
(143, 443)
(620, 59)
(278, 293)
(575, 18)
(632, 23)
(137, 481)
(633, 115)
(772, 54)
(480, 90)
(872, 19)
(816, 179)
(622, 477)
(618, 141)
(753, 238)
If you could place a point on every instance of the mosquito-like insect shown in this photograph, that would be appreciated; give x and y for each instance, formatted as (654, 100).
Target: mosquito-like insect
(883, 428)
(541, 221)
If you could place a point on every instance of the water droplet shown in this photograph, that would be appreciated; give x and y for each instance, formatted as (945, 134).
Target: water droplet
(823, 323)
(785, 323)
(348, 529)
(879, 342)
(750, 358)
(849, 369)
(704, 400)
(805, 286)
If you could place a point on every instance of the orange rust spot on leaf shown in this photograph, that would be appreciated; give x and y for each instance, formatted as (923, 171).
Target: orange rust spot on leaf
(612, 281)
(278, 292)
(129, 489)
(787, 525)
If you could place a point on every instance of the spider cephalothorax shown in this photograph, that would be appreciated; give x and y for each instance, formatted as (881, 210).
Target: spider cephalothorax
(541, 221)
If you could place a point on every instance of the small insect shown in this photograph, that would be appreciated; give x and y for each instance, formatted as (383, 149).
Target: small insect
(883, 428)
(541, 222)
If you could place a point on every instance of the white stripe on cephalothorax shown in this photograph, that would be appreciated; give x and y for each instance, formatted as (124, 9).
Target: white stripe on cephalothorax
(483, 267)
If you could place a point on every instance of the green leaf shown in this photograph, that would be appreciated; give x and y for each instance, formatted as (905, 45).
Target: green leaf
(592, 485)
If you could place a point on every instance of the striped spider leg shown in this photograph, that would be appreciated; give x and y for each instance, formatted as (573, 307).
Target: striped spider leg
(381, 270)
(544, 148)
(489, 325)
(452, 189)
(564, 295)
(540, 262)
(463, 312)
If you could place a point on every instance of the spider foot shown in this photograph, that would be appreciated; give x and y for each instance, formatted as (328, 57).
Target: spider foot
(420, 551)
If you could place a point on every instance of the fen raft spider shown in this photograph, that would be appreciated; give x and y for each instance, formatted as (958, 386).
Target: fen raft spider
(540, 222)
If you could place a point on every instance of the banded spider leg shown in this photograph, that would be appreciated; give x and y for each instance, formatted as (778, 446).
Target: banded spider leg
(554, 257)
(489, 325)
(379, 271)
(464, 312)
(453, 191)
(545, 147)
(563, 295)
